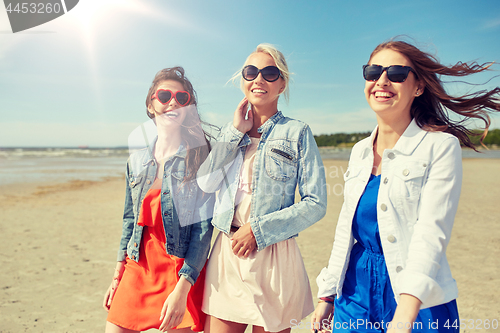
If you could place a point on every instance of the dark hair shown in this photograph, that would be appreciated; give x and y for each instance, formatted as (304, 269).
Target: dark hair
(193, 135)
(430, 109)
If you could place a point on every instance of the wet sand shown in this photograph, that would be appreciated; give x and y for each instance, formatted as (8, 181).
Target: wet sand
(59, 246)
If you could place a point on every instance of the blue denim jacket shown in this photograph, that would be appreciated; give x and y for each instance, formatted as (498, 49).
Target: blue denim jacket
(287, 156)
(186, 211)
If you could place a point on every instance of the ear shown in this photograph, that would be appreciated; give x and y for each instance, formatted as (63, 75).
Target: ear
(420, 89)
(282, 89)
(150, 109)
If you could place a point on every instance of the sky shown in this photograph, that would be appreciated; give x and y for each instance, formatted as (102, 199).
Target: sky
(82, 79)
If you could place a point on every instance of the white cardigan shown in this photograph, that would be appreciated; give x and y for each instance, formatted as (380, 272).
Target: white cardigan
(416, 206)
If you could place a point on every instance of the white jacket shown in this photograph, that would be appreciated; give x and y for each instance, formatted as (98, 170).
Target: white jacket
(416, 206)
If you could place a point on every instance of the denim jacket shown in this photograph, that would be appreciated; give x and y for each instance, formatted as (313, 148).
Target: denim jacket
(416, 206)
(186, 211)
(286, 156)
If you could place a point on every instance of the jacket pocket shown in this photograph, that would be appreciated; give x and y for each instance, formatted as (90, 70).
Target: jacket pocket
(353, 184)
(280, 162)
(408, 182)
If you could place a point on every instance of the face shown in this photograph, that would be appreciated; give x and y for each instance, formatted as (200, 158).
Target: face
(259, 92)
(392, 98)
(171, 112)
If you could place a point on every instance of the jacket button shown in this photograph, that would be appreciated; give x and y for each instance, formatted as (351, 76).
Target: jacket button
(148, 182)
(347, 174)
(399, 269)
(135, 244)
(166, 214)
(386, 180)
(383, 207)
(133, 257)
(391, 238)
(391, 156)
(424, 165)
(406, 172)
(153, 163)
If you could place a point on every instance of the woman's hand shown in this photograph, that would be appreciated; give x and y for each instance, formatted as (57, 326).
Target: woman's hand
(239, 122)
(243, 241)
(174, 307)
(110, 293)
(322, 317)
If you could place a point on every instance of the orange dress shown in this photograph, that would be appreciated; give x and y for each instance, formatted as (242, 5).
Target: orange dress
(145, 285)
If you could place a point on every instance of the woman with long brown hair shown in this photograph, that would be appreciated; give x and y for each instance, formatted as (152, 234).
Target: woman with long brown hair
(388, 270)
(159, 276)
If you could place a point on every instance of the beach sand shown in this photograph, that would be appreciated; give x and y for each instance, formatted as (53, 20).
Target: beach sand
(59, 245)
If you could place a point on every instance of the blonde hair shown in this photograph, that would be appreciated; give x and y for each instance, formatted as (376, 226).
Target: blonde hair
(279, 60)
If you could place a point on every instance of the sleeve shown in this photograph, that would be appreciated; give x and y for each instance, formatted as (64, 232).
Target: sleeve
(201, 236)
(222, 154)
(438, 205)
(283, 224)
(128, 219)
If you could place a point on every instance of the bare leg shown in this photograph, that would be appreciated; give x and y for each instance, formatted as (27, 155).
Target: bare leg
(260, 329)
(112, 328)
(217, 325)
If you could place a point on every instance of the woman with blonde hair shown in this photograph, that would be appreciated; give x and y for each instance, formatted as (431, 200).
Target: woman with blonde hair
(255, 273)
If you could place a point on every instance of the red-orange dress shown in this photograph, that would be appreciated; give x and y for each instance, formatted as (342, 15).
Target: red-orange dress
(145, 285)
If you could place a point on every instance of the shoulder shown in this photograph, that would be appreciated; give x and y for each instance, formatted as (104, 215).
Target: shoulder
(292, 127)
(361, 145)
(442, 138)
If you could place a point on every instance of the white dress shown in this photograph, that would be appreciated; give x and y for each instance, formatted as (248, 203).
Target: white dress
(270, 288)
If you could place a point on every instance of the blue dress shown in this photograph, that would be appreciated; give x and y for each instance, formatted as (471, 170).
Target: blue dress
(367, 303)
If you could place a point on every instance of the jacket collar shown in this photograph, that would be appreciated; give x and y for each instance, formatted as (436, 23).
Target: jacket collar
(406, 144)
(270, 122)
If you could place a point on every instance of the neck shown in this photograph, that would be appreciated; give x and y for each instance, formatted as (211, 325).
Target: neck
(167, 144)
(261, 114)
(389, 131)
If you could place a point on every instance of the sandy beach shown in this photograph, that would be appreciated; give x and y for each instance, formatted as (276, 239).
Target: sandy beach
(59, 245)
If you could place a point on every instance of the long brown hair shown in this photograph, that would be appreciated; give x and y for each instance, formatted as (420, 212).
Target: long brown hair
(430, 109)
(193, 135)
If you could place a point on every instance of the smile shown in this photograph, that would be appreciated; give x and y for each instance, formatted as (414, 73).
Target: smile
(259, 91)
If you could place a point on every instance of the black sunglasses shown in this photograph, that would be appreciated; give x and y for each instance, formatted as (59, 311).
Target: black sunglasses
(269, 73)
(395, 73)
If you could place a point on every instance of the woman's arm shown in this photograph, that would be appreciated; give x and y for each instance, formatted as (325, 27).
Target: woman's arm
(283, 224)
(128, 219)
(405, 315)
(117, 276)
(174, 307)
(224, 151)
(431, 233)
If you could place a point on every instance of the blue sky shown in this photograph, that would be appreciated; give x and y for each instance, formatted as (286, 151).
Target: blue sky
(82, 78)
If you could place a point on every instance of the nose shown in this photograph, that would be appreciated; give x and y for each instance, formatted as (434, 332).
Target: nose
(259, 78)
(383, 80)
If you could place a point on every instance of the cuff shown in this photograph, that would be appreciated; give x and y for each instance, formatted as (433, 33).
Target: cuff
(421, 286)
(259, 238)
(189, 273)
(122, 255)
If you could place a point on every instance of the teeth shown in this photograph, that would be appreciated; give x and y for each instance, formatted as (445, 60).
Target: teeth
(172, 114)
(259, 91)
(383, 94)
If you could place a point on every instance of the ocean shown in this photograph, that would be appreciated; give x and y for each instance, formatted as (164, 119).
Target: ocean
(24, 165)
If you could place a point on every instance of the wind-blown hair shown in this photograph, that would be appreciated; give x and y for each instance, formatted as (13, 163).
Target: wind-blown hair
(430, 108)
(194, 137)
(279, 60)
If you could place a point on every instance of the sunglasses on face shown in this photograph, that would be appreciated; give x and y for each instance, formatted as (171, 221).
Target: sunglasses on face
(269, 73)
(395, 73)
(164, 96)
